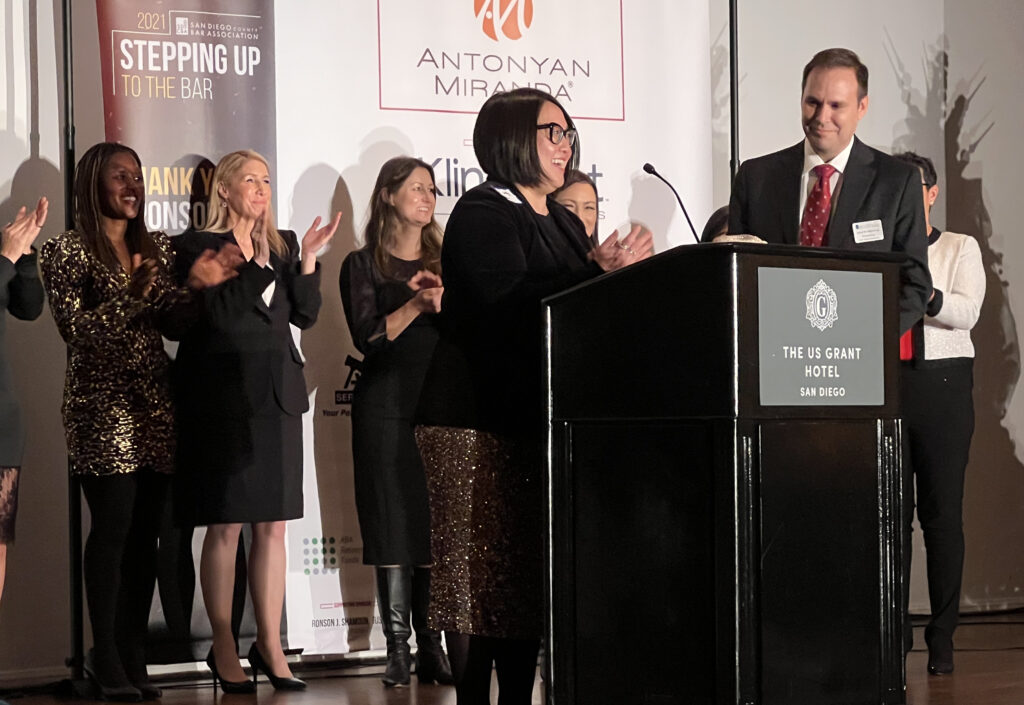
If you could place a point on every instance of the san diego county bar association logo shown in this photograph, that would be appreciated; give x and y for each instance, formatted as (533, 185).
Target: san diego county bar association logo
(822, 305)
(510, 18)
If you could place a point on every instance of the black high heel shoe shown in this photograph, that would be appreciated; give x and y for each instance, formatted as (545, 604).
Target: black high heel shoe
(119, 693)
(229, 687)
(149, 691)
(259, 664)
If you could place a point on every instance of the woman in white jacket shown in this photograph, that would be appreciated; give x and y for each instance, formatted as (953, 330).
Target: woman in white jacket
(938, 413)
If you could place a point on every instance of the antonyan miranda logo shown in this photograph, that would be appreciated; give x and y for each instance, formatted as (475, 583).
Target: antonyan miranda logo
(507, 18)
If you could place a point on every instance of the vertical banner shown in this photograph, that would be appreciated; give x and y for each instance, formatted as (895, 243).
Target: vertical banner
(185, 81)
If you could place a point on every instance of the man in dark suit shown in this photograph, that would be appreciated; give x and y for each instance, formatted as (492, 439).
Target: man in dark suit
(832, 190)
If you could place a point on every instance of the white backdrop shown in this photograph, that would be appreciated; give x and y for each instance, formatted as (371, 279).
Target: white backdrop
(360, 82)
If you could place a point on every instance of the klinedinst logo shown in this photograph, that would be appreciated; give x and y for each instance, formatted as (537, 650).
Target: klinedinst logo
(509, 18)
(822, 305)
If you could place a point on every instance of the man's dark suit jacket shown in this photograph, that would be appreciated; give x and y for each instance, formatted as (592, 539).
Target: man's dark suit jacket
(766, 201)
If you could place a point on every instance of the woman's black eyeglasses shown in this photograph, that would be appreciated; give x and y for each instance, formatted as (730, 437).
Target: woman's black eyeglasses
(556, 132)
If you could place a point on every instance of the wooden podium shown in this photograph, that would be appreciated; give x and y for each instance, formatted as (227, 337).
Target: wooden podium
(724, 483)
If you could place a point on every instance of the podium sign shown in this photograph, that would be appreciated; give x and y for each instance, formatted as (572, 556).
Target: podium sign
(820, 337)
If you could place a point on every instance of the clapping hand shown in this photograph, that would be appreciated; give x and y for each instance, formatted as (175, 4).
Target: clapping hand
(429, 290)
(213, 268)
(143, 276)
(20, 233)
(614, 253)
(425, 279)
(315, 239)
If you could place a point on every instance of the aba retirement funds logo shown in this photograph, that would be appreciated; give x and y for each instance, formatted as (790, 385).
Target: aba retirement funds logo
(343, 397)
(450, 57)
(822, 305)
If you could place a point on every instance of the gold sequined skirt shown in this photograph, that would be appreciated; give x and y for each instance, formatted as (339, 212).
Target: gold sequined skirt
(486, 532)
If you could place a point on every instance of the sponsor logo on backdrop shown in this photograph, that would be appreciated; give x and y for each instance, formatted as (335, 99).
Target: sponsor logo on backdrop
(442, 58)
(324, 555)
(343, 397)
(337, 622)
(349, 603)
(508, 18)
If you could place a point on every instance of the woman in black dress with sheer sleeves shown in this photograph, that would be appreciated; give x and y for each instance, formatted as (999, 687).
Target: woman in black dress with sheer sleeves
(391, 290)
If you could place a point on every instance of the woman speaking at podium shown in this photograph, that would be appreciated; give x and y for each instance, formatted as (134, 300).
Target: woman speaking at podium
(481, 423)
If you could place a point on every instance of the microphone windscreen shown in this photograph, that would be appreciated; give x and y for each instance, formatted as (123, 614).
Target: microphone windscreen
(649, 168)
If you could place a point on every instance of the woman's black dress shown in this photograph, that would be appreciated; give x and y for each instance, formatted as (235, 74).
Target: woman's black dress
(391, 491)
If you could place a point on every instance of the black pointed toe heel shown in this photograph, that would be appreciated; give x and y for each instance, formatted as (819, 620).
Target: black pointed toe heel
(123, 693)
(229, 687)
(280, 683)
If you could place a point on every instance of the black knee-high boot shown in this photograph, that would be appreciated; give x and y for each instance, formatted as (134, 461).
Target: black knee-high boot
(394, 588)
(431, 662)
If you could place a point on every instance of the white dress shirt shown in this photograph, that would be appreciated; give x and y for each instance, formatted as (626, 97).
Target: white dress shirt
(808, 179)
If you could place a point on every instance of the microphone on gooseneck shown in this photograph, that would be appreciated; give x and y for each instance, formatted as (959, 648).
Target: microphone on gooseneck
(649, 168)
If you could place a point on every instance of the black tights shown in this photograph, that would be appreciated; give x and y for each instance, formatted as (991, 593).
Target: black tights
(472, 657)
(120, 570)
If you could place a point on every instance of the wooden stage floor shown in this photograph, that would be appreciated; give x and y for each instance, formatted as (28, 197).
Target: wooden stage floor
(989, 671)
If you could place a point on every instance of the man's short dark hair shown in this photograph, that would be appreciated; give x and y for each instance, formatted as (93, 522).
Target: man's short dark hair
(839, 59)
(505, 136)
(928, 174)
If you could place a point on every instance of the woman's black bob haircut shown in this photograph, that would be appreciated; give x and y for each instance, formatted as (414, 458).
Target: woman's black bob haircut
(505, 136)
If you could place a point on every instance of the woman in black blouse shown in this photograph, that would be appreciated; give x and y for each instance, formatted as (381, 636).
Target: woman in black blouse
(21, 294)
(391, 290)
(481, 421)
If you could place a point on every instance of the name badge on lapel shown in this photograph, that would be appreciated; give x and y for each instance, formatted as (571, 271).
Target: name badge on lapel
(509, 196)
(867, 231)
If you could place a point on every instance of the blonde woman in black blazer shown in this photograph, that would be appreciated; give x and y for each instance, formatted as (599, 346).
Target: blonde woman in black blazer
(241, 395)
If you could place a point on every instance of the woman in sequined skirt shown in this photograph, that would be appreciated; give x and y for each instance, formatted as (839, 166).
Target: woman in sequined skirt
(481, 423)
(391, 290)
(21, 295)
(241, 395)
(112, 292)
